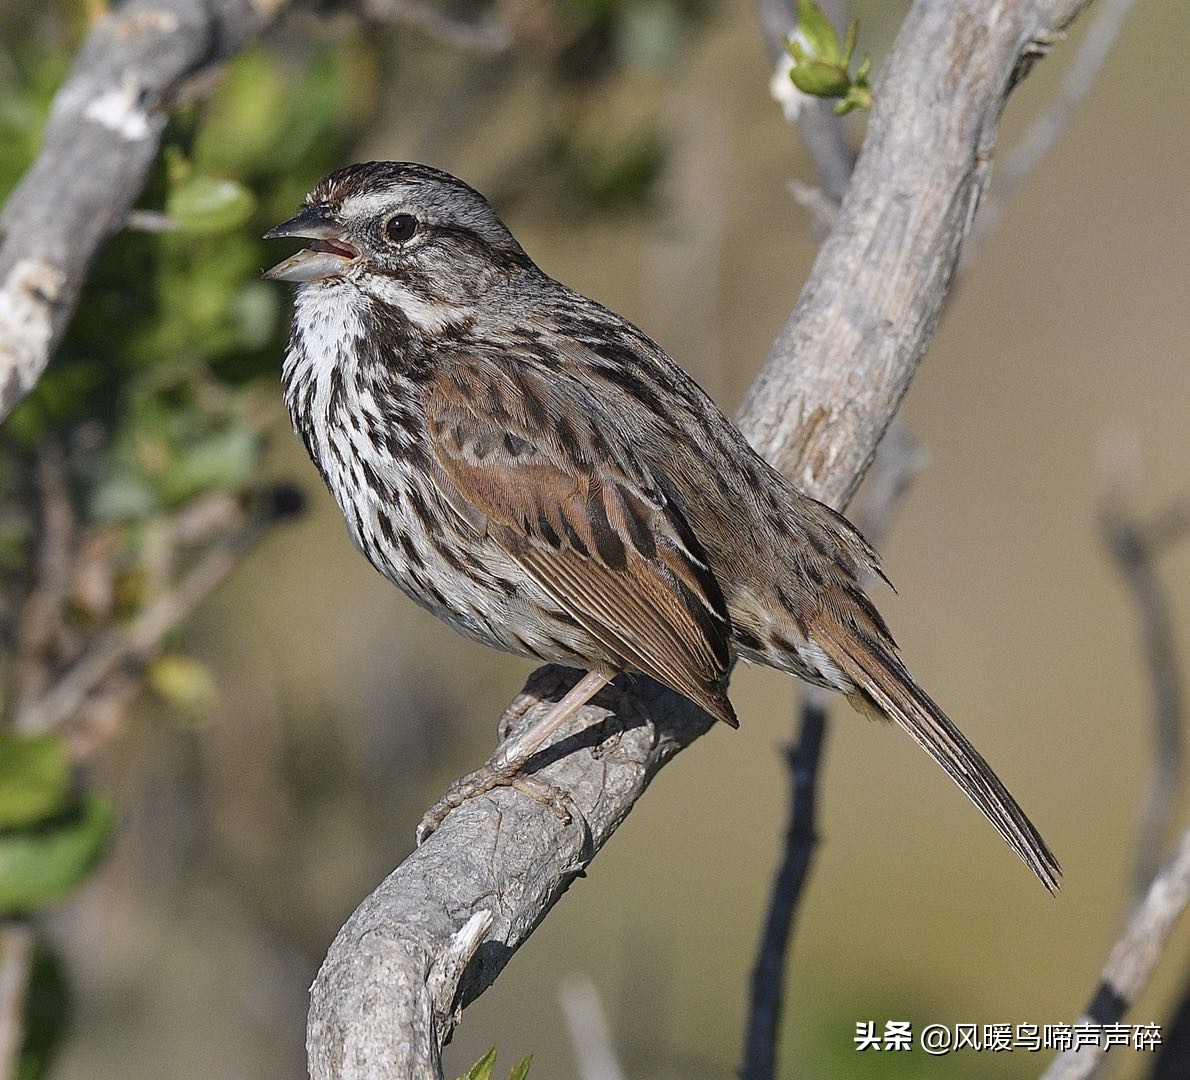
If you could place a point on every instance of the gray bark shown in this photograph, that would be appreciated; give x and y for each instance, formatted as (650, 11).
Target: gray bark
(139, 59)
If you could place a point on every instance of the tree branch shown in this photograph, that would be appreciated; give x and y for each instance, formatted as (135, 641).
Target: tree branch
(134, 645)
(804, 757)
(1132, 960)
(1135, 548)
(490, 34)
(825, 396)
(139, 59)
(1044, 132)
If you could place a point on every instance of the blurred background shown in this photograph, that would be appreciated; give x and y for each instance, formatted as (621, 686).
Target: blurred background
(299, 724)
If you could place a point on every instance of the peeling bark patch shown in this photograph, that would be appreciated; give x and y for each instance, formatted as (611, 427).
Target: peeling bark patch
(27, 300)
(119, 110)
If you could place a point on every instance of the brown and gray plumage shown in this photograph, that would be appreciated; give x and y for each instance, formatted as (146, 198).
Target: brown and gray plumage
(531, 468)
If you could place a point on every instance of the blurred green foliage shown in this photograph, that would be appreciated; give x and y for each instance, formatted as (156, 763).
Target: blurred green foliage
(34, 772)
(151, 391)
(483, 1069)
(49, 838)
(189, 298)
(42, 863)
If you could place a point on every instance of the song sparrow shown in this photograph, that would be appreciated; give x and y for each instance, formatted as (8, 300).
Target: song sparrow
(532, 469)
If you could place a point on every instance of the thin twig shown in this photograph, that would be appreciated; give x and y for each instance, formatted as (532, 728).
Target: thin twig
(139, 641)
(1047, 129)
(41, 618)
(823, 210)
(1134, 547)
(16, 958)
(150, 221)
(489, 35)
(1132, 960)
(801, 839)
(590, 1035)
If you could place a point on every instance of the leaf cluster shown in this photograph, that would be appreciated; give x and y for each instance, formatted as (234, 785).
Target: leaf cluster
(821, 65)
(485, 1067)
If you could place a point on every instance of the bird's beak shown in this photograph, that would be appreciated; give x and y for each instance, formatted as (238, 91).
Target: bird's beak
(328, 256)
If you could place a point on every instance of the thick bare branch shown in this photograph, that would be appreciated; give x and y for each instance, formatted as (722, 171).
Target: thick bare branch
(139, 58)
(825, 396)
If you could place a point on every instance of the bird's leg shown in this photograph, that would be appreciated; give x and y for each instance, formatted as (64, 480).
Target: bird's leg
(503, 768)
(543, 684)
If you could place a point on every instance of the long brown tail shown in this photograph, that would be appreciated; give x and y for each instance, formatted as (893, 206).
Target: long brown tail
(887, 691)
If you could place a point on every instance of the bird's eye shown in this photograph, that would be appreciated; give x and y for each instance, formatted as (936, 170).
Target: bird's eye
(400, 227)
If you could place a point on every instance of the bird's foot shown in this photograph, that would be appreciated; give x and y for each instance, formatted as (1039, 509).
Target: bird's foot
(491, 776)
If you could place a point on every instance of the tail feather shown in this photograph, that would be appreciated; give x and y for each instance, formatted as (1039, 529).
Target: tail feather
(886, 689)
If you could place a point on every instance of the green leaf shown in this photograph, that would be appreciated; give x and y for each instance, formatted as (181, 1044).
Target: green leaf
(34, 772)
(482, 1069)
(184, 683)
(44, 863)
(858, 97)
(819, 79)
(816, 28)
(205, 204)
(522, 1070)
(849, 42)
(796, 50)
(222, 459)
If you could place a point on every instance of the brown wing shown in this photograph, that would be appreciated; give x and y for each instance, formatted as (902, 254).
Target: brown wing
(531, 469)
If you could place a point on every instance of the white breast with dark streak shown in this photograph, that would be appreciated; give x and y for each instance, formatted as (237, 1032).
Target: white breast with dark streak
(347, 441)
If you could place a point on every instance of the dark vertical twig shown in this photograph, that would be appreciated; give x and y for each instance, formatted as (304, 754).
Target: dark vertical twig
(1173, 1059)
(897, 462)
(801, 840)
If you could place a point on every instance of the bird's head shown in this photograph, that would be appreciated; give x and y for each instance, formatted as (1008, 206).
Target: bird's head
(399, 232)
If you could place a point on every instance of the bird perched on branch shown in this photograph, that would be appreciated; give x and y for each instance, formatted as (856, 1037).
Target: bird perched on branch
(534, 470)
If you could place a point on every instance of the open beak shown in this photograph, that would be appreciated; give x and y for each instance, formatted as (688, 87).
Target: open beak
(328, 256)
